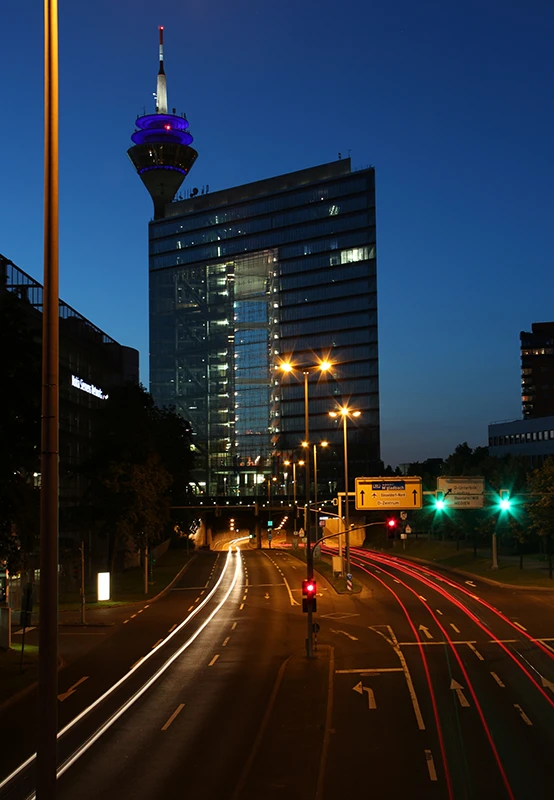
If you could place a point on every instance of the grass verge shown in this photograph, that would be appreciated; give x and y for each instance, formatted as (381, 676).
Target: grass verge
(534, 572)
(128, 586)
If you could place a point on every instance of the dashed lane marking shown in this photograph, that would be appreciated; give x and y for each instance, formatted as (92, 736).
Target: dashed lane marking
(214, 659)
(497, 679)
(523, 715)
(430, 765)
(454, 628)
(173, 716)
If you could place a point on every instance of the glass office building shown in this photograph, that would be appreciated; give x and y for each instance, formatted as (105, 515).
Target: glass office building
(244, 278)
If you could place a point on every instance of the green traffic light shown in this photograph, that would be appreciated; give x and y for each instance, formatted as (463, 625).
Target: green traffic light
(439, 505)
(505, 502)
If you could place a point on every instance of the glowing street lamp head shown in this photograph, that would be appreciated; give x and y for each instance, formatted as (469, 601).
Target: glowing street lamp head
(286, 463)
(286, 366)
(305, 444)
(301, 463)
(324, 444)
(324, 366)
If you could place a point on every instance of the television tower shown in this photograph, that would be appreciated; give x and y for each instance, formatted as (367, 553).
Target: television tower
(161, 153)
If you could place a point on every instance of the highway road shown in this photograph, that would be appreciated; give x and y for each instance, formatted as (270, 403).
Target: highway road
(423, 686)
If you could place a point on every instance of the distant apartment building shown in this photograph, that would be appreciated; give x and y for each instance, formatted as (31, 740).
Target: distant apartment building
(537, 370)
(532, 436)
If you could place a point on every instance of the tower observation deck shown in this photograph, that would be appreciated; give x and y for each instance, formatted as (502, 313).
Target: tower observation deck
(161, 153)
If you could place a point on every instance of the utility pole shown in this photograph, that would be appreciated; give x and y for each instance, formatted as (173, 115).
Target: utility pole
(83, 600)
(47, 724)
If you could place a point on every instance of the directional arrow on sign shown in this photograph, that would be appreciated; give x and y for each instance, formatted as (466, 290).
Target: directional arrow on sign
(362, 494)
(414, 493)
(426, 631)
(459, 689)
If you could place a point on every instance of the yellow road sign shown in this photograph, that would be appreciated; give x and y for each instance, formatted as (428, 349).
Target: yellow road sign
(388, 493)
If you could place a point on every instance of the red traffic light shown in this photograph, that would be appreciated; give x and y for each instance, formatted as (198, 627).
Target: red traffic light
(391, 523)
(309, 588)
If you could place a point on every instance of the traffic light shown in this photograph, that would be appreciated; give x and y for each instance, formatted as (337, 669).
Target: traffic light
(309, 591)
(76, 571)
(439, 502)
(505, 501)
(392, 523)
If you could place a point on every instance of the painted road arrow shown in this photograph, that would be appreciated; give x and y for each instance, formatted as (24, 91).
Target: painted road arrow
(470, 583)
(547, 684)
(425, 631)
(459, 689)
(71, 690)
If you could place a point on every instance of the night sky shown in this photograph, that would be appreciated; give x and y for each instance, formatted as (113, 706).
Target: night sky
(451, 102)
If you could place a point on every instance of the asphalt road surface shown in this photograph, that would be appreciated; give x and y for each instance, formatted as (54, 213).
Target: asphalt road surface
(423, 686)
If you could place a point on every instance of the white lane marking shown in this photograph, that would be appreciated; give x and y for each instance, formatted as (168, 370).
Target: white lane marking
(369, 671)
(547, 684)
(190, 609)
(197, 599)
(225, 641)
(172, 628)
(172, 717)
(454, 628)
(474, 649)
(354, 639)
(244, 597)
(459, 689)
(424, 644)
(157, 643)
(520, 626)
(497, 679)
(293, 602)
(360, 688)
(233, 626)
(266, 596)
(470, 583)
(137, 663)
(524, 716)
(147, 606)
(426, 631)
(202, 592)
(430, 765)
(394, 579)
(207, 583)
(241, 606)
(214, 659)
(133, 616)
(246, 591)
(71, 690)
(422, 598)
(125, 621)
(438, 612)
(393, 641)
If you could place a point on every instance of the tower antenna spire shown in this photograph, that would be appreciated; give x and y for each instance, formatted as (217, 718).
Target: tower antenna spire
(161, 89)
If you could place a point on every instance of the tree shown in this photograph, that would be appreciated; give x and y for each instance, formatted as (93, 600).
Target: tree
(140, 467)
(540, 505)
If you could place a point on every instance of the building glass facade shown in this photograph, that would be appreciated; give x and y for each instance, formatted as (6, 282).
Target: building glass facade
(537, 370)
(247, 277)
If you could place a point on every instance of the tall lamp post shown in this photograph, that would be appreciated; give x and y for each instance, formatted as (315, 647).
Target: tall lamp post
(322, 366)
(316, 510)
(300, 464)
(346, 413)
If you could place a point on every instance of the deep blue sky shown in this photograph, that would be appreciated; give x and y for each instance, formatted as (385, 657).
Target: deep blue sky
(451, 102)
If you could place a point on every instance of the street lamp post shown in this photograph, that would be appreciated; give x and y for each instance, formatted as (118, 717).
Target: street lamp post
(345, 413)
(288, 464)
(322, 366)
(316, 510)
